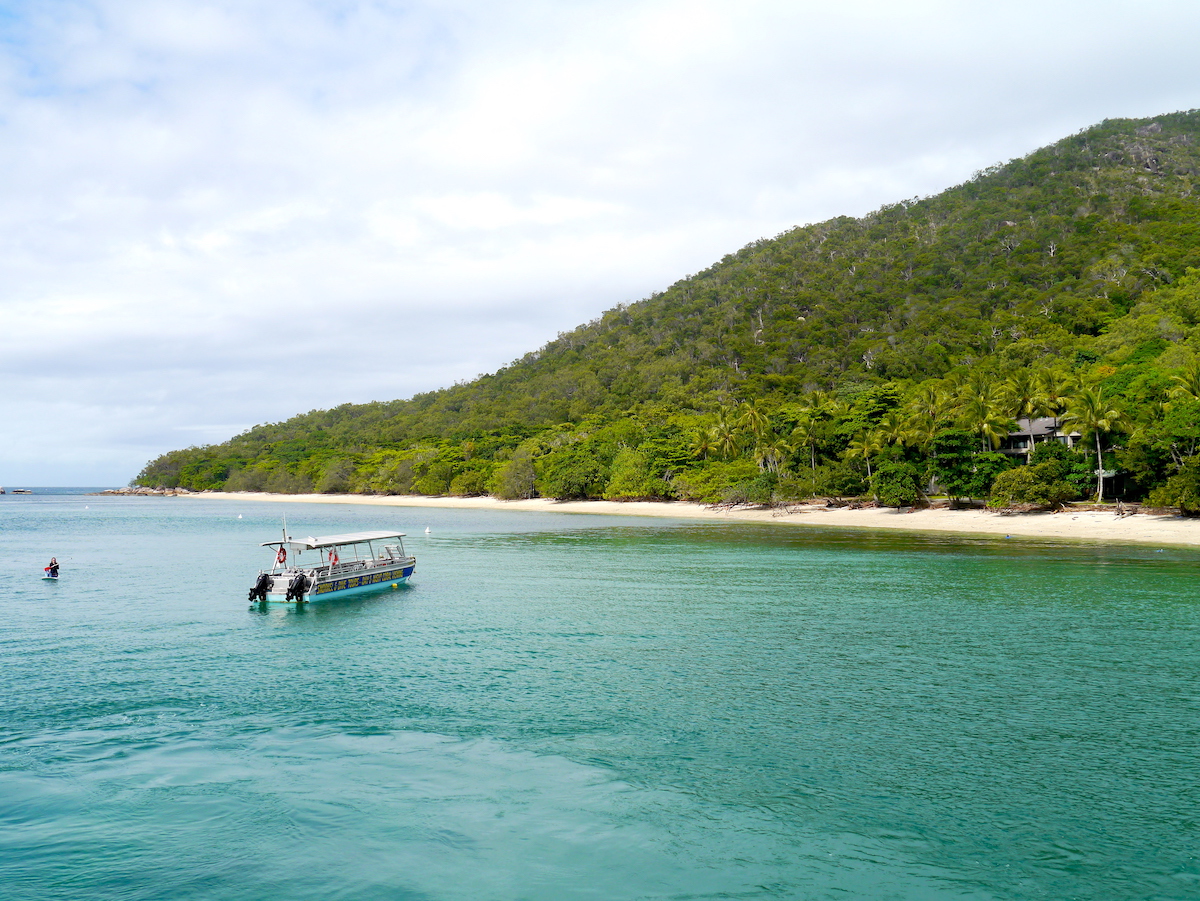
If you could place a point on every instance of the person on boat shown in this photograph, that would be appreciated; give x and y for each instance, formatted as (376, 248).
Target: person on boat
(52, 569)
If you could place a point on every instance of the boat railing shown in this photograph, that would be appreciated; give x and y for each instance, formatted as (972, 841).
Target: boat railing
(390, 556)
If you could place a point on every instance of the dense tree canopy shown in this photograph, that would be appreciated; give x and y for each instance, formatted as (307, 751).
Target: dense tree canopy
(854, 356)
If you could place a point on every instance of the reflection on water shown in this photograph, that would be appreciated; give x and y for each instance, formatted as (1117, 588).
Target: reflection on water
(333, 606)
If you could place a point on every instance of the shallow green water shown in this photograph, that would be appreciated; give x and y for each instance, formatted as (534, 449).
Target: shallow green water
(571, 707)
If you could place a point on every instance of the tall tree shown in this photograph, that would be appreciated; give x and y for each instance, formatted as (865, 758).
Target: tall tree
(1024, 399)
(724, 435)
(770, 452)
(1095, 415)
(982, 411)
(805, 435)
(863, 446)
(927, 411)
(893, 429)
(754, 421)
(1055, 388)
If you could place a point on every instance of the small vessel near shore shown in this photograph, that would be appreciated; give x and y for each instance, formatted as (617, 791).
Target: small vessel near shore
(338, 566)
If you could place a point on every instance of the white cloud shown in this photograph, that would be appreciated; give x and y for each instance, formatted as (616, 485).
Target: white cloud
(221, 213)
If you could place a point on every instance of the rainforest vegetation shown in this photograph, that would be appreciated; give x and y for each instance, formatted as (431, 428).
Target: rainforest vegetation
(869, 357)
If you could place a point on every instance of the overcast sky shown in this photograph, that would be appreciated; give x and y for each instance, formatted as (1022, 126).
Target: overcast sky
(223, 213)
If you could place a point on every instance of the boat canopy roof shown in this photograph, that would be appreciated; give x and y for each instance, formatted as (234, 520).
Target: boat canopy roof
(310, 543)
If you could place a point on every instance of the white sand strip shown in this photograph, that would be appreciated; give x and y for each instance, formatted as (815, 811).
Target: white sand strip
(1087, 526)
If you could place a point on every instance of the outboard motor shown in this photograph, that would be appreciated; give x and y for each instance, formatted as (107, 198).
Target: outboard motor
(297, 587)
(264, 584)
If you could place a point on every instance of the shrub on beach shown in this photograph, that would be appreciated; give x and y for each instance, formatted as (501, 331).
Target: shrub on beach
(1182, 489)
(708, 482)
(897, 484)
(1040, 484)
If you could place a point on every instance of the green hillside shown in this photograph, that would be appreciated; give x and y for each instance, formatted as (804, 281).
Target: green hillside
(853, 356)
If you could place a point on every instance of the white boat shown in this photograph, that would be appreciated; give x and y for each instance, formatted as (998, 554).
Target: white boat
(337, 566)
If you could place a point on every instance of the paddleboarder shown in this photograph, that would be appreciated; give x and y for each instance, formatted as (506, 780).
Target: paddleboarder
(52, 569)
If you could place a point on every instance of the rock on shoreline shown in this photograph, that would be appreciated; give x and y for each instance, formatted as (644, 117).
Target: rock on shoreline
(144, 492)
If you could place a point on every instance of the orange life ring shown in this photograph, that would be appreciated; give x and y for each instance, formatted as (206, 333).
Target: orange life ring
(333, 558)
(281, 557)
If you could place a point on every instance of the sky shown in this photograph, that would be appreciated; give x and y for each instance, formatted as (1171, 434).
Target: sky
(224, 213)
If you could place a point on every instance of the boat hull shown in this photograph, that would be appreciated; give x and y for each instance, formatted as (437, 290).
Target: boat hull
(335, 586)
(343, 586)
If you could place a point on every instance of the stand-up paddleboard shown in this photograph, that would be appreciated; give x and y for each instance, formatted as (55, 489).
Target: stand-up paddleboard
(48, 577)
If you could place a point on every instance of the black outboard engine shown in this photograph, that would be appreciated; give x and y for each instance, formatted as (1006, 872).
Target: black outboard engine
(297, 587)
(264, 584)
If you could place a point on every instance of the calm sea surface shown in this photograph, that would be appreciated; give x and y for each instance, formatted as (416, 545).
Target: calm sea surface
(582, 707)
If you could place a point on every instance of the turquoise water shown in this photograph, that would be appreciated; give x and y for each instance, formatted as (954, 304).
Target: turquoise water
(578, 707)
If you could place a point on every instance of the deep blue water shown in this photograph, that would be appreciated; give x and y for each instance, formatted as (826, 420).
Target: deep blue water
(586, 707)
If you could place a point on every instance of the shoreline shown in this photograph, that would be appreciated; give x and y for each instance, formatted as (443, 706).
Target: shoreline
(1076, 526)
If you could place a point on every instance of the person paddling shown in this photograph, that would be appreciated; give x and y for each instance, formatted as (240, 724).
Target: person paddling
(52, 569)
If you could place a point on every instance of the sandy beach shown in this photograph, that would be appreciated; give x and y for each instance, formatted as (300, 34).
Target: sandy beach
(1069, 525)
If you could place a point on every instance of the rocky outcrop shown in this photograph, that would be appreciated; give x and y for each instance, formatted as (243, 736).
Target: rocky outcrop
(139, 491)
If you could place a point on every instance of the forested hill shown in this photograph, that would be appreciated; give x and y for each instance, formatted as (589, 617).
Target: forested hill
(1071, 265)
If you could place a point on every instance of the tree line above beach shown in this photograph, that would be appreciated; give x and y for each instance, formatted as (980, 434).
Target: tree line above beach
(853, 357)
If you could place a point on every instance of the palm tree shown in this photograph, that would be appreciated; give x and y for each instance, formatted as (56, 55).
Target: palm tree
(754, 421)
(1090, 410)
(926, 413)
(820, 403)
(724, 435)
(805, 435)
(863, 445)
(982, 412)
(1024, 399)
(1055, 388)
(1187, 384)
(893, 429)
(770, 454)
(815, 408)
(703, 444)
(769, 451)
